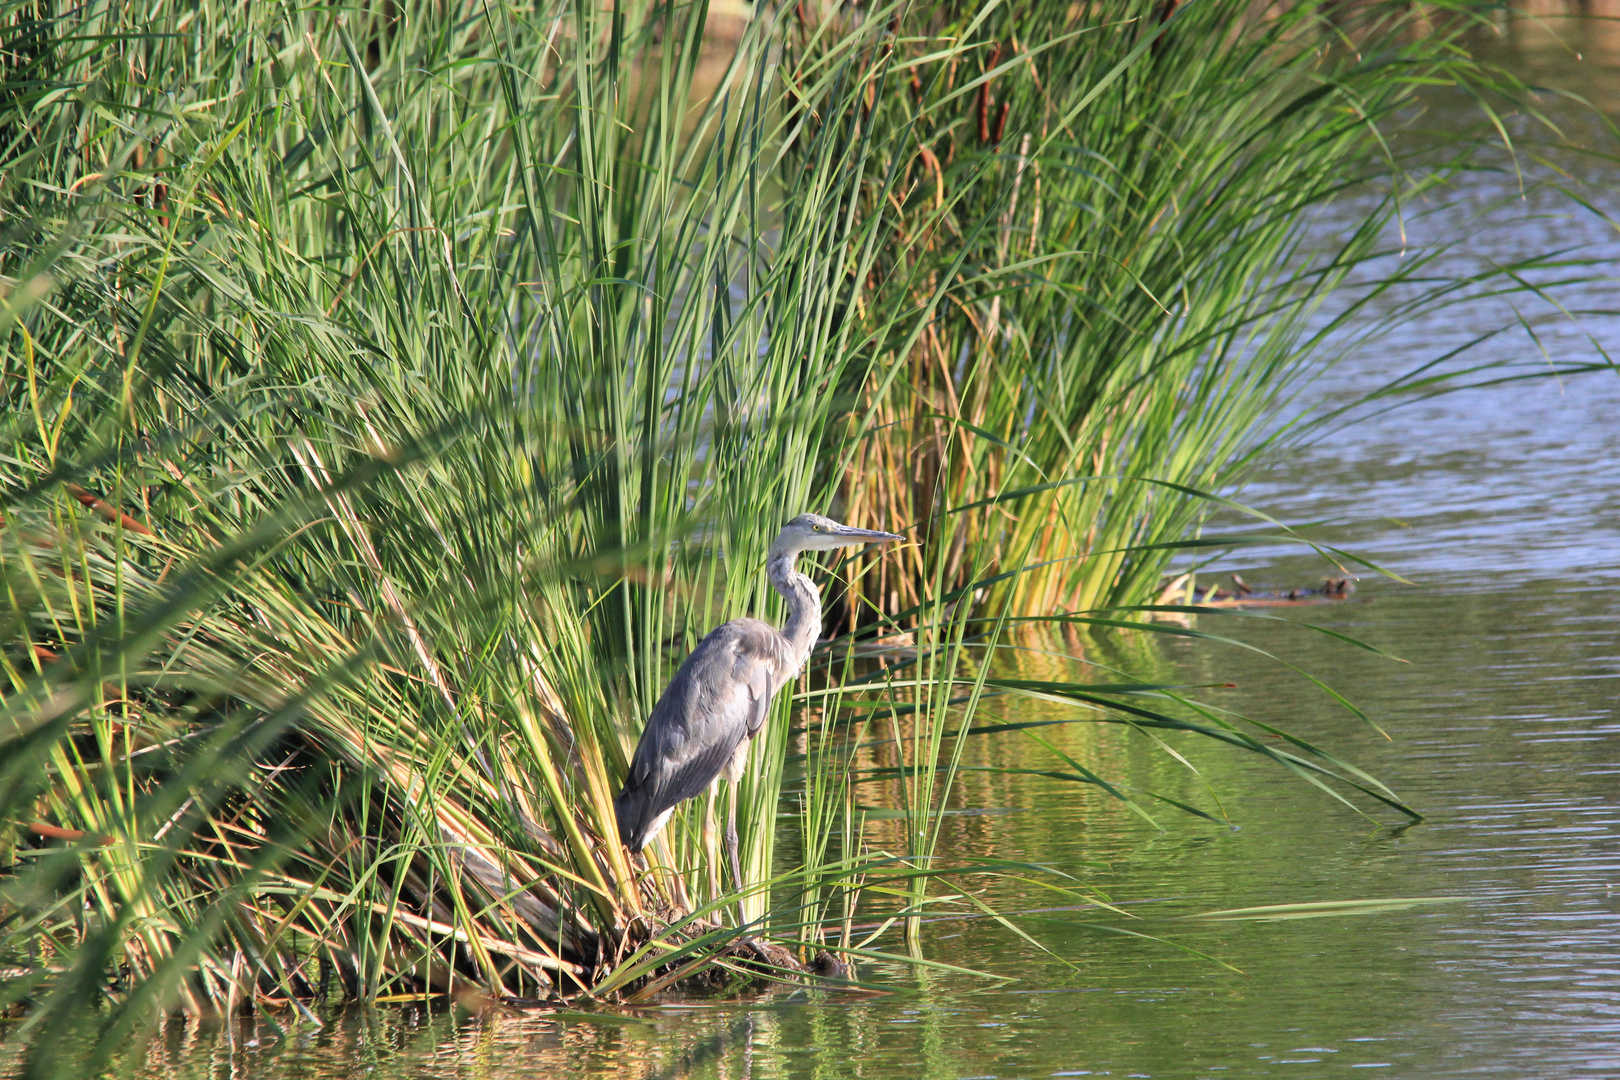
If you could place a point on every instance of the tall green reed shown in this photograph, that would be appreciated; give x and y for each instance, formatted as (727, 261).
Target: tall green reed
(1116, 223)
(473, 348)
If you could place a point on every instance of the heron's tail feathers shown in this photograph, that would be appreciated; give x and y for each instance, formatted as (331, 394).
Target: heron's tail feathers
(639, 821)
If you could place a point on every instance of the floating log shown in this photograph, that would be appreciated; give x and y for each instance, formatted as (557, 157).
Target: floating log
(1242, 595)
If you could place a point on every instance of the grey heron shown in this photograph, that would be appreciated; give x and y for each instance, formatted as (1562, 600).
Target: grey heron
(702, 726)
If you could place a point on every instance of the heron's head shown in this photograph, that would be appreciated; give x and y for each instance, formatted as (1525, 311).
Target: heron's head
(812, 532)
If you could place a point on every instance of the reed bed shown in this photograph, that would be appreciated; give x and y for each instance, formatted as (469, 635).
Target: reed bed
(1117, 226)
(394, 395)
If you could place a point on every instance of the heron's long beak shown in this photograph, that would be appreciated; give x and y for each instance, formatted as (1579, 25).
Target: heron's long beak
(866, 536)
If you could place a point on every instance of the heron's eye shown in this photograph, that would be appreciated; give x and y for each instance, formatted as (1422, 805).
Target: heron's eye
(818, 528)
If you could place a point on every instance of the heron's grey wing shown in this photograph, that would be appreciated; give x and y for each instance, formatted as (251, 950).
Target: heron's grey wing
(761, 688)
(719, 697)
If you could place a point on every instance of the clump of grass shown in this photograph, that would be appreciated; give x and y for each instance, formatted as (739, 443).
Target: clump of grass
(1115, 221)
(407, 363)
(392, 401)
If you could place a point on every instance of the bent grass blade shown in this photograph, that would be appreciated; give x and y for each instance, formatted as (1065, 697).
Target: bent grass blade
(1326, 908)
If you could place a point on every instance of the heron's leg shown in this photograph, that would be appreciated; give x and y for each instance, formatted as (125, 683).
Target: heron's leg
(731, 850)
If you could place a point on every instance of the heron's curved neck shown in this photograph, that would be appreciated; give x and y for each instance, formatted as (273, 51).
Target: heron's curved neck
(803, 626)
